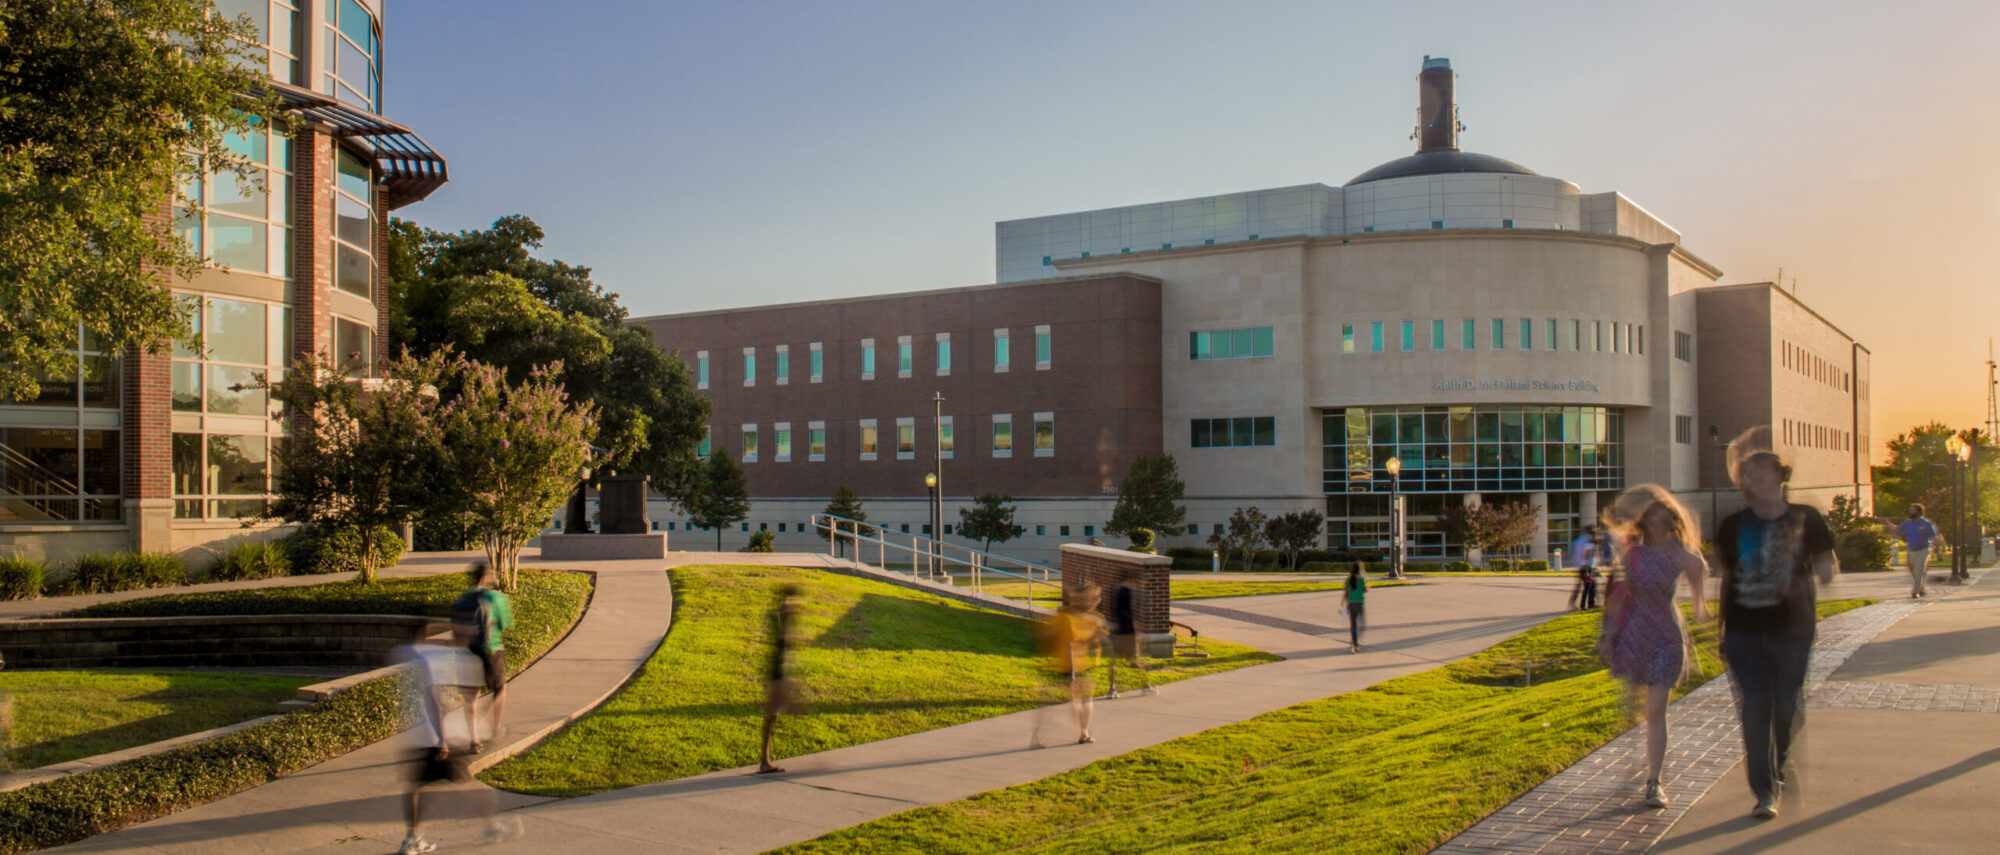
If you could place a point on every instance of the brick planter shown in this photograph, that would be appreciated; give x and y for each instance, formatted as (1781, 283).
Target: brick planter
(1105, 569)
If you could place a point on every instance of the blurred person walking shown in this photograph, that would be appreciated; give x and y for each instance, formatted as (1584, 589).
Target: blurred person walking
(781, 693)
(1917, 534)
(1353, 599)
(1583, 555)
(481, 614)
(440, 671)
(1125, 638)
(1644, 642)
(1771, 553)
(1067, 641)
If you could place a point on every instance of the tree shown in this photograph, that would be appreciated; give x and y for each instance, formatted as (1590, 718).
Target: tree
(989, 520)
(355, 460)
(718, 496)
(511, 455)
(1290, 533)
(484, 293)
(1920, 470)
(846, 505)
(1149, 498)
(104, 105)
(1245, 533)
(1859, 541)
(1495, 526)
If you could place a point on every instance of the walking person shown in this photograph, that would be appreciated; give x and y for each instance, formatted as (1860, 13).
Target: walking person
(781, 693)
(1771, 554)
(1125, 638)
(441, 669)
(1583, 552)
(1354, 597)
(1068, 641)
(1917, 534)
(1645, 643)
(482, 615)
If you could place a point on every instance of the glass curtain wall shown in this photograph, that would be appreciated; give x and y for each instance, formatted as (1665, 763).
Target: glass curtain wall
(280, 39)
(225, 430)
(51, 472)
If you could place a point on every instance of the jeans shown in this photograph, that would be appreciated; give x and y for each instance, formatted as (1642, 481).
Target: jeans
(1354, 623)
(1768, 670)
(1920, 566)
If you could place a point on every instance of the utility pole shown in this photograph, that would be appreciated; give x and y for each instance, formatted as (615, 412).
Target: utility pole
(1992, 403)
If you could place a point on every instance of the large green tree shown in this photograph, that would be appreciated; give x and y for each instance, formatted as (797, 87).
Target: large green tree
(1921, 470)
(485, 294)
(990, 520)
(1149, 498)
(105, 105)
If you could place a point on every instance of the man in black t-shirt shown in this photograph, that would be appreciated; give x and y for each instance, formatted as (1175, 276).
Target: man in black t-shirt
(1771, 554)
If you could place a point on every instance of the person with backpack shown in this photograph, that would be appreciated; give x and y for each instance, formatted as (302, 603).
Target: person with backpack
(481, 615)
(1125, 638)
(1354, 593)
(1583, 557)
(1917, 534)
(781, 694)
(440, 671)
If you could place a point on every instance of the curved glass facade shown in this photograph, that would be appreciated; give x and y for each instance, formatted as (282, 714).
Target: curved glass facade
(1487, 448)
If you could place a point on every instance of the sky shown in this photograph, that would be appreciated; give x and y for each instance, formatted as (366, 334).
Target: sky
(711, 155)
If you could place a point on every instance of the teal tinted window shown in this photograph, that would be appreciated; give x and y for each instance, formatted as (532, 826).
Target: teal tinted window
(1375, 337)
(1261, 343)
(1042, 349)
(1198, 346)
(1465, 331)
(1234, 344)
(1490, 449)
(868, 359)
(1437, 335)
(1239, 432)
(944, 355)
(1499, 334)
(353, 175)
(1409, 330)
(1527, 334)
(818, 365)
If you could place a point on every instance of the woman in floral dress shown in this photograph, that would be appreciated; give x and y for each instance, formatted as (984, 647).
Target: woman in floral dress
(1645, 643)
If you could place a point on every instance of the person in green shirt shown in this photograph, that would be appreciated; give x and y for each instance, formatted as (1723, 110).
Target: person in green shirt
(1354, 595)
(481, 615)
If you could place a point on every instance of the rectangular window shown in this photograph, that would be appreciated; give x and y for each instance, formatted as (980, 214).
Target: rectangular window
(1346, 338)
(749, 366)
(1409, 336)
(944, 354)
(1684, 430)
(1597, 336)
(1003, 435)
(1575, 335)
(782, 365)
(945, 441)
(906, 439)
(1437, 334)
(867, 439)
(701, 448)
(781, 442)
(1683, 346)
(1045, 434)
(867, 359)
(999, 351)
(1549, 341)
(1375, 337)
(1465, 331)
(749, 444)
(1041, 531)
(816, 364)
(1043, 348)
(1527, 334)
(905, 356)
(1239, 432)
(816, 437)
(1230, 344)
(1617, 338)
(1062, 531)
(701, 369)
(1499, 334)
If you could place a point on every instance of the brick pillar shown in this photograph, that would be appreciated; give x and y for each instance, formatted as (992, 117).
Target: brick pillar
(146, 427)
(379, 291)
(312, 251)
(1105, 569)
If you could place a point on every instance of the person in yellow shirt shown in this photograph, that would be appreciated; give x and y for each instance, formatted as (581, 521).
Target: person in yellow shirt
(1069, 642)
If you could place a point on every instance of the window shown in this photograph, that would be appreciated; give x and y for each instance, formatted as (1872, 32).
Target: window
(1499, 334)
(1597, 336)
(353, 56)
(1003, 435)
(867, 439)
(1346, 338)
(1527, 334)
(1041, 531)
(1683, 346)
(815, 363)
(749, 444)
(816, 439)
(1409, 336)
(1617, 338)
(1684, 430)
(1375, 337)
(867, 359)
(1575, 335)
(1045, 434)
(781, 442)
(945, 441)
(1465, 331)
(1639, 339)
(782, 365)
(1000, 351)
(1549, 340)
(906, 439)
(1230, 344)
(701, 448)
(905, 356)
(701, 369)
(68, 474)
(1437, 334)
(1239, 432)
(1043, 347)
(1090, 531)
(1062, 531)
(248, 228)
(944, 354)
(749, 366)
(353, 236)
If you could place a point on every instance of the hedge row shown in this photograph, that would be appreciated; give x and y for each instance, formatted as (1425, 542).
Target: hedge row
(547, 604)
(303, 552)
(1197, 558)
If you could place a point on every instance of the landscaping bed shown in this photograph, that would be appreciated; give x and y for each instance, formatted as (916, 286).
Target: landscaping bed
(879, 661)
(547, 604)
(1396, 768)
(65, 715)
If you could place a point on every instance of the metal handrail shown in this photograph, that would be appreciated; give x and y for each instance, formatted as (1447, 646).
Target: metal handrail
(38, 475)
(934, 558)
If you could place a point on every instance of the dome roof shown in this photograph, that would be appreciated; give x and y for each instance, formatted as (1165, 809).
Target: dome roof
(1440, 163)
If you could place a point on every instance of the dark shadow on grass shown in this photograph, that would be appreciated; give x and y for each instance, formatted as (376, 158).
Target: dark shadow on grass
(188, 710)
(877, 620)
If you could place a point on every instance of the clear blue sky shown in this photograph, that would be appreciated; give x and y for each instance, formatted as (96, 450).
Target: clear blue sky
(708, 155)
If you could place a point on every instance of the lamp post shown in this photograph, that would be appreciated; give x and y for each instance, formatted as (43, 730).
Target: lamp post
(1961, 454)
(937, 471)
(1395, 467)
(1716, 449)
(931, 483)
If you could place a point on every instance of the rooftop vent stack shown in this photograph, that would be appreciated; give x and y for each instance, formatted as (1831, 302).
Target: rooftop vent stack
(1437, 107)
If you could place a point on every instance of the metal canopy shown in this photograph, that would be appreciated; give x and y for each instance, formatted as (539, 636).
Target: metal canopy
(410, 168)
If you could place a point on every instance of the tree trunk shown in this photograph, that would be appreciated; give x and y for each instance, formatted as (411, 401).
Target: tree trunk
(367, 555)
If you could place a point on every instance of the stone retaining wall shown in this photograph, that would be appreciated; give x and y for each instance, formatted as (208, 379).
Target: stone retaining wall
(349, 641)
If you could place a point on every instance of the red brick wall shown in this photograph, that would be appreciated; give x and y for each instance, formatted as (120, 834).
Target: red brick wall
(147, 406)
(312, 261)
(1104, 569)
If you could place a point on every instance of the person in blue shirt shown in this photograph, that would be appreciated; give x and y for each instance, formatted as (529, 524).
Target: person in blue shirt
(1917, 534)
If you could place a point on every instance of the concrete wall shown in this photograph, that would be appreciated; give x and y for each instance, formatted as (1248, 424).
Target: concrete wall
(357, 641)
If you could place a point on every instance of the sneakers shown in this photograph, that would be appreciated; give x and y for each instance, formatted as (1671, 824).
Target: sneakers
(416, 846)
(503, 829)
(1766, 808)
(1655, 797)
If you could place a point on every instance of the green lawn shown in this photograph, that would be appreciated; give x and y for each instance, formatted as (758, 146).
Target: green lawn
(64, 715)
(1396, 768)
(1186, 590)
(880, 661)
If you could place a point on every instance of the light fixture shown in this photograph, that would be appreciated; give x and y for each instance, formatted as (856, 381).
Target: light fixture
(930, 479)
(1958, 448)
(1395, 466)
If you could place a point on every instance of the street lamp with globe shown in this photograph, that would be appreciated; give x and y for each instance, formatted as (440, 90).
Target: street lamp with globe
(1395, 468)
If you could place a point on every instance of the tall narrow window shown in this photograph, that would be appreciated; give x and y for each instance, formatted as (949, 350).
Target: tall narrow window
(1597, 336)
(943, 354)
(701, 369)
(1346, 338)
(1527, 334)
(1465, 338)
(944, 438)
(1003, 435)
(749, 366)
(701, 448)
(1409, 336)
(1437, 334)
(816, 441)
(868, 439)
(1549, 340)
(1375, 337)
(999, 351)
(781, 442)
(749, 444)
(867, 359)
(905, 356)
(1575, 334)
(1617, 338)
(1044, 348)
(781, 368)
(1499, 334)
(906, 439)
(1045, 434)
(816, 364)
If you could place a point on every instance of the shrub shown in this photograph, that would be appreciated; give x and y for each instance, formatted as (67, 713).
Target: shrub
(1142, 540)
(338, 550)
(1458, 567)
(256, 559)
(1533, 565)
(103, 573)
(1862, 549)
(21, 578)
(1188, 557)
(761, 541)
(1500, 565)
